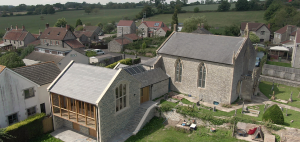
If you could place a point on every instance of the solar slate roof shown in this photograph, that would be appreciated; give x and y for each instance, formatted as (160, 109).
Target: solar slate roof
(83, 82)
(134, 69)
(205, 47)
(40, 74)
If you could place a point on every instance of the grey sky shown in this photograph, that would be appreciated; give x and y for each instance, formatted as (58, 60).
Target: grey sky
(35, 2)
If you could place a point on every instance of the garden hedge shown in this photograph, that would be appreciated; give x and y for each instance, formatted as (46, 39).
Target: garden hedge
(26, 129)
(273, 114)
(124, 61)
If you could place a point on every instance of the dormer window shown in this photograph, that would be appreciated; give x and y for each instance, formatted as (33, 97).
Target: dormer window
(57, 42)
(58, 34)
(49, 33)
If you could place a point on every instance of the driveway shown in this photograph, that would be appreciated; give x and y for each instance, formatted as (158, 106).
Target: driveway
(69, 135)
(143, 59)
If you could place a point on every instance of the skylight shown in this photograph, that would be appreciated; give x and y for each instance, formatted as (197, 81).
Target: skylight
(156, 24)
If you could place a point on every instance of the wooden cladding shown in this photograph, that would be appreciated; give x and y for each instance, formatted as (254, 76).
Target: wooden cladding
(76, 111)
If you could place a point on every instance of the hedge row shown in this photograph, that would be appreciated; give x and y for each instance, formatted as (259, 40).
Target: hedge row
(124, 61)
(26, 129)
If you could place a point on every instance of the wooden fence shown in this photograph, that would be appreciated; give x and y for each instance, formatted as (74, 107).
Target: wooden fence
(48, 124)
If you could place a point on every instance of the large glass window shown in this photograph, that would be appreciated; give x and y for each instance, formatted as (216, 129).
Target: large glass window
(201, 76)
(13, 119)
(29, 93)
(178, 71)
(121, 94)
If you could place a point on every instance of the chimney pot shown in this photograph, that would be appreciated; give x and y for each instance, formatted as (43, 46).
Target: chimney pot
(175, 27)
(47, 26)
(23, 27)
(11, 27)
(67, 27)
(16, 27)
(269, 26)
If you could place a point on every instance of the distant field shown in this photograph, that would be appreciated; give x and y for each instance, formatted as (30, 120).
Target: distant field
(33, 22)
(205, 7)
(15, 13)
(216, 19)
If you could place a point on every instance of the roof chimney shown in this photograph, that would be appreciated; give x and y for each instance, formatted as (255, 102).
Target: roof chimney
(175, 27)
(11, 27)
(7, 29)
(67, 27)
(16, 27)
(269, 26)
(40, 32)
(23, 27)
(83, 25)
(47, 26)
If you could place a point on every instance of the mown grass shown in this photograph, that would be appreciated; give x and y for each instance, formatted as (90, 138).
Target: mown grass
(279, 64)
(45, 138)
(155, 131)
(205, 7)
(33, 22)
(282, 92)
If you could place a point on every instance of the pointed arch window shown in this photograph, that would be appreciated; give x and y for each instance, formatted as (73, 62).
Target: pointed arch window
(178, 71)
(202, 76)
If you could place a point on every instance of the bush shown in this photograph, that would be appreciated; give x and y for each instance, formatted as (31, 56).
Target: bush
(260, 49)
(196, 10)
(124, 61)
(273, 114)
(166, 107)
(90, 53)
(26, 129)
(137, 61)
(26, 51)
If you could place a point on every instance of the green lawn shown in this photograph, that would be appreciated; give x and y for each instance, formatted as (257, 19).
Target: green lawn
(154, 131)
(216, 19)
(45, 138)
(282, 92)
(205, 7)
(33, 22)
(279, 64)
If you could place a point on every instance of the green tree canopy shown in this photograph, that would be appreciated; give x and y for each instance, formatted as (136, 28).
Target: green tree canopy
(253, 37)
(268, 3)
(100, 25)
(272, 9)
(50, 10)
(144, 45)
(273, 114)
(286, 15)
(88, 10)
(190, 24)
(78, 22)
(224, 6)
(232, 30)
(174, 19)
(241, 5)
(108, 28)
(27, 50)
(196, 9)
(61, 22)
(11, 60)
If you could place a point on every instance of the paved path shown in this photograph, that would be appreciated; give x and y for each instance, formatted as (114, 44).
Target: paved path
(70, 135)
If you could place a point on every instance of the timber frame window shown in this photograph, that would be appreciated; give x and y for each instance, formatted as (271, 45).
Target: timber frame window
(77, 111)
(178, 70)
(121, 96)
(12, 118)
(201, 75)
(31, 111)
(28, 93)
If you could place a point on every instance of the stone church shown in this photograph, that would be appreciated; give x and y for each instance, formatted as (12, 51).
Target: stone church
(213, 68)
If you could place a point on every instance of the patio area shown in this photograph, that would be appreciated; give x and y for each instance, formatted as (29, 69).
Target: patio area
(69, 135)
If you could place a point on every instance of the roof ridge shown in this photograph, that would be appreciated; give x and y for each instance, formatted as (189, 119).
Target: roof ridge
(34, 64)
(213, 35)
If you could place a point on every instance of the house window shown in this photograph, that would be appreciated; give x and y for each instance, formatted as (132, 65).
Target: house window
(121, 94)
(14, 42)
(31, 111)
(20, 42)
(51, 42)
(178, 71)
(45, 41)
(50, 52)
(5, 40)
(29, 93)
(59, 53)
(12, 118)
(262, 32)
(201, 75)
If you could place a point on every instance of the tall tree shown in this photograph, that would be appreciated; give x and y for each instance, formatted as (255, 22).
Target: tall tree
(61, 22)
(88, 10)
(241, 5)
(224, 6)
(190, 24)
(270, 12)
(50, 10)
(78, 22)
(268, 3)
(11, 60)
(174, 20)
(232, 30)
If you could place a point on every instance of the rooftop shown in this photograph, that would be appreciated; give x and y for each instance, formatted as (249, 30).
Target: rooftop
(83, 82)
(283, 29)
(18, 35)
(54, 47)
(125, 23)
(251, 26)
(44, 57)
(204, 47)
(41, 74)
(54, 33)
(151, 76)
(154, 24)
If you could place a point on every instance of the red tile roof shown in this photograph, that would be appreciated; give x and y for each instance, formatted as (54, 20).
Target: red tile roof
(125, 41)
(283, 30)
(1, 42)
(36, 36)
(15, 35)
(152, 23)
(293, 33)
(132, 36)
(287, 41)
(74, 43)
(36, 42)
(91, 28)
(165, 29)
(54, 33)
(125, 23)
(251, 26)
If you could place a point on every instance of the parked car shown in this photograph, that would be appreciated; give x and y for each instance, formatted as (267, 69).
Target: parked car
(99, 51)
(257, 62)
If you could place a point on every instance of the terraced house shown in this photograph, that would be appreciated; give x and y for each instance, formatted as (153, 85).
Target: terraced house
(18, 37)
(107, 104)
(59, 45)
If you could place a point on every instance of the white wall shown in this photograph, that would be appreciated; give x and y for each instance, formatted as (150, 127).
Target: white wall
(44, 97)
(12, 97)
